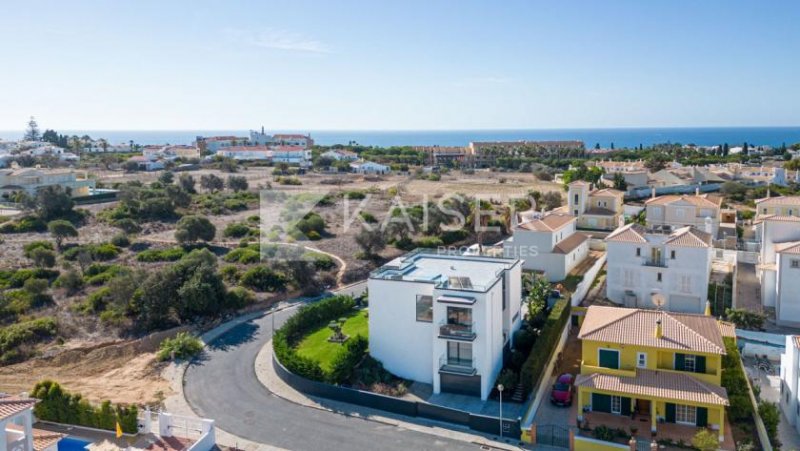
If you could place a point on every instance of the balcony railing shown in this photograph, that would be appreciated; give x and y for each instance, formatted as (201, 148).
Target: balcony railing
(456, 365)
(658, 263)
(461, 331)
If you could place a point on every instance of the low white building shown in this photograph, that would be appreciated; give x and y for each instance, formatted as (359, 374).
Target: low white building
(213, 144)
(368, 167)
(778, 268)
(642, 264)
(445, 320)
(246, 153)
(790, 381)
(340, 155)
(549, 243)
(303, 141)
(16, 427)
(31, 180)
(291, 154)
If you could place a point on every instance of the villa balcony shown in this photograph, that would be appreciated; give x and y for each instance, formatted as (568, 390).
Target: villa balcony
(656, 263)
(464, 367)
(459, 331)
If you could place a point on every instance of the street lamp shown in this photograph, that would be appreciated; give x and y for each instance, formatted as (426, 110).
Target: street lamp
(500, 389)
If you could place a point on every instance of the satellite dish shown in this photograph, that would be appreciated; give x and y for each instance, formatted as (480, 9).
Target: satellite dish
(659, 300)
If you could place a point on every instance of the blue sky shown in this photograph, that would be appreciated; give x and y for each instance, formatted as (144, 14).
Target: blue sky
(398, 65)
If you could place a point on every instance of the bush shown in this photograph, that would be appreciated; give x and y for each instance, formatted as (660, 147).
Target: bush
(345, 361)
(230, 274)
(429, 242)
(236, 230)
(532, 369)
(307, 318)
(161, 255)
(183, 346)
(58, 405)
(17, 339)
(735, 382)
(243, 255)
(239, 297)
(771, 416)
(98, 252)
(71, 281)
(261, 278)
(322, 262)
(16, 279)
(28, 249)
(121, 240)
(453, 236)
(24, 225)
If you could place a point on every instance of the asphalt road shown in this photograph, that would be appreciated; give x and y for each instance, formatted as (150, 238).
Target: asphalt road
(222, 385)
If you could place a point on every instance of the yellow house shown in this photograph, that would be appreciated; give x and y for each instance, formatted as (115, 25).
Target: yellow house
(600, 209)
(653, 366)
(780, 206)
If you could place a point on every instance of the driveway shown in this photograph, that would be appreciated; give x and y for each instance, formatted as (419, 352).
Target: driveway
(222, 385)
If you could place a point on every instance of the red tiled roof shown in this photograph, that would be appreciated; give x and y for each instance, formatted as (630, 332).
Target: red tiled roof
(659, 384)
(12, 406)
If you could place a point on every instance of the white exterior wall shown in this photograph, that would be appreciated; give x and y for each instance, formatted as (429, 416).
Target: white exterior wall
(790, 372)
(687, 275)
(787, 303)
(771, 232)
(403, 344)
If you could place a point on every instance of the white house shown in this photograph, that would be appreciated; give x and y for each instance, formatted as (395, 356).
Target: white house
(368, 167)
(778, 268)
(790, 376)
(445, 320)
(303, 141)
(780, 205)
(340, 155)
(291, 154)
(675, 211)
(30, 180)
(213, 144)
(16, 427)
(261, 138)
(549, 243)
(245, 153)
(675, 266)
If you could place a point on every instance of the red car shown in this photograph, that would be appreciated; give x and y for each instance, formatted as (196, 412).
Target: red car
(561, 395)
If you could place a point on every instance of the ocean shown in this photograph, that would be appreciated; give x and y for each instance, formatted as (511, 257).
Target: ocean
(620, 137)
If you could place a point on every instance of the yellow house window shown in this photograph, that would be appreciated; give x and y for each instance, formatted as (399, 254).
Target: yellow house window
(685, 414)
(641, 359)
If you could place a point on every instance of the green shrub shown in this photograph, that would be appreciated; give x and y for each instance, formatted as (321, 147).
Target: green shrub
(58, 405)
(121, 240)
(161, 255)
(24, 225)
(322, 262)
(368, 217)
(98, 252)
(261, 278)
(16, 279)
(453, 236)
(183, 346)
(771, 416)
(230, 274)
(239, 297)
(95, 302)
(735, 382)
(243, 255)
(236, 230)
(28, 249)
(346, 360)
(532, 369)
(17, 339)
(429, 242)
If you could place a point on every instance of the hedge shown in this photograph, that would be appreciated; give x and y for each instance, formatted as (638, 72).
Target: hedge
(532, 369)
(161, 255)
(60, 406)
(735, 382)
(307, 319)
(22, 335)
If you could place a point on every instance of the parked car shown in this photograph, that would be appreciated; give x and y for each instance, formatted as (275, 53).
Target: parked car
(561, 394)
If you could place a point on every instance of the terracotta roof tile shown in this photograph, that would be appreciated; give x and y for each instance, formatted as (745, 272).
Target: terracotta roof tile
(788, 248)
(549, 223)
(599, 211)
(630, 233)
(689, 237)
(780, 200)
(797, 341)
(659, 384)
(607, 191)
(727, 329)
(11, 406)
(636, 327)
(702, 200)
(42, 439)
(570, 243)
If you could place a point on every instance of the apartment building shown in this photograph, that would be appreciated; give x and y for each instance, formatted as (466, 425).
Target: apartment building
(778, 268)
(646, 268)
(702, 211)
(597, 209)
(30, 180)
(549, 243)
(445, 320)
(661, 370)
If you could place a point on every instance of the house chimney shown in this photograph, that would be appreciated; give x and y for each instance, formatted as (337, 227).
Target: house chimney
(659, 331)
(653, 192)
(708, 308)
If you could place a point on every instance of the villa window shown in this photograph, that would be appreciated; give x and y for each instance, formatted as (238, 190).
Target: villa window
(641, 360)
(686, 414)
(616, 404)
(659, 277)
(576, 198)
(689, 363)
(459, 353)
(424, 308)
(608, 358)
(638, 251)
(672, 255)
(764, 211)
(795, 264)
(459, 316)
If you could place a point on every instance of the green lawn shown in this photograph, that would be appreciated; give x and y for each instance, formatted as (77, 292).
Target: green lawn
(317, 347)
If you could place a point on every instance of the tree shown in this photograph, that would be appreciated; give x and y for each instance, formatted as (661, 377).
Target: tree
(166, 177)
(194, 228)
(619, 182)
(187, 183)
(228, 165)
(370, 241)
(61, 229)
(211, 182)
(656, 162)
(237, 183)
(745, 149)
(745, 319)
(551, 200)
(32, 132)
(54, 202)
(43, 258)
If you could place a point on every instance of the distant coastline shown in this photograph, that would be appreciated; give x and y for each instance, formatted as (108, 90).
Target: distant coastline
(620, 137)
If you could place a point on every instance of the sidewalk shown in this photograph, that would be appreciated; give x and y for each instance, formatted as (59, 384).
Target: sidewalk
(267, 376)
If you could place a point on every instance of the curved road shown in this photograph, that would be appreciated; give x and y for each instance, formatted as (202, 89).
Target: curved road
(223, 385)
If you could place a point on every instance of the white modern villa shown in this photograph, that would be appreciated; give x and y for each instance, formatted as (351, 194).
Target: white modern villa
(547, 243)
(778, 269)
(644, 266)
(445, 320)
(790, 381)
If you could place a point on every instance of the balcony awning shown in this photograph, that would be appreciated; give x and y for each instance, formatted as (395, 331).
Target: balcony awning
(455, 300)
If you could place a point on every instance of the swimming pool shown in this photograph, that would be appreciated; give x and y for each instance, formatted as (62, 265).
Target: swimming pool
(73, 444)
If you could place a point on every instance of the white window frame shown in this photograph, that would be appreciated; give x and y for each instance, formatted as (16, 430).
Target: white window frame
(641, 360)
(616, 401)
(795, 263)
(685, 414)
